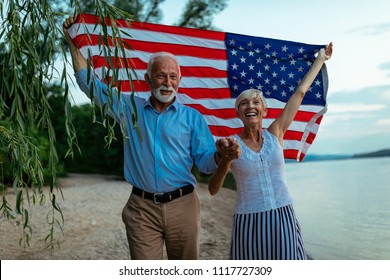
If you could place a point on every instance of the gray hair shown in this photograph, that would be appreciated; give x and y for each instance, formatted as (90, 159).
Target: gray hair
(157, 55)
(249, 94)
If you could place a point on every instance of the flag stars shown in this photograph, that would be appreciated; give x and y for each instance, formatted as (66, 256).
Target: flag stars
(275, 70)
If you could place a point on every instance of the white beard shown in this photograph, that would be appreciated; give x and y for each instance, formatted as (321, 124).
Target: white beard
(162, 98)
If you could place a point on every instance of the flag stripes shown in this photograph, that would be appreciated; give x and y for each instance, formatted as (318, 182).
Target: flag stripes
(205, 86)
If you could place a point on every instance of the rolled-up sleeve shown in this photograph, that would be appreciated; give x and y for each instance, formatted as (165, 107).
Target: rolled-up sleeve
(95, 89)
(203, 147)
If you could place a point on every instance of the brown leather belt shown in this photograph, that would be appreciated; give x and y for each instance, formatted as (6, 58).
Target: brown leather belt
(163, 197)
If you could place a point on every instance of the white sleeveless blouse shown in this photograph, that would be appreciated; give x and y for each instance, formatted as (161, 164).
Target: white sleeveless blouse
(260, 177)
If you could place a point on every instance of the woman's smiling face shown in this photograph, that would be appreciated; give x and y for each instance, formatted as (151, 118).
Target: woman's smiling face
(251, 110)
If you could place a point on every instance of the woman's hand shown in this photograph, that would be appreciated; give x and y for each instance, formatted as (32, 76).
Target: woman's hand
(326, 53)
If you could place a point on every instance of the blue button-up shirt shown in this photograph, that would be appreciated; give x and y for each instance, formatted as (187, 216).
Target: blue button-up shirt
(159, 155)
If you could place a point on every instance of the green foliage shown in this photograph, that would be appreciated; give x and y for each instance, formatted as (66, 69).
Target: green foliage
(199, 13)
(31, 41)
(196, 13)
(95, 156)
(143, 10)
(38, 125)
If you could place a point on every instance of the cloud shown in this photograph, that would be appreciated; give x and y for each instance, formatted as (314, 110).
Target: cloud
(372, 30)
(355, 107)
(385, 66)
(349, 110)
(383, 122)
(368, 95)
(386, 94)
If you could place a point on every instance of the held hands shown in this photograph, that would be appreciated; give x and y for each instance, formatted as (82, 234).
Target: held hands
(326, 53)
(228, 148)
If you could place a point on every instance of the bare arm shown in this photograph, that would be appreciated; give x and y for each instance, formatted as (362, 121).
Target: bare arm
(229, 150)
(78, 60)
(281, 124)
(217, 179)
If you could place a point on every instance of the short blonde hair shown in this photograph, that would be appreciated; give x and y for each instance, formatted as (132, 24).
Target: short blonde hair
(249, 94)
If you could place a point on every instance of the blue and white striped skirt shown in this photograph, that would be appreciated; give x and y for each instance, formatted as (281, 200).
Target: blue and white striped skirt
(270, 235)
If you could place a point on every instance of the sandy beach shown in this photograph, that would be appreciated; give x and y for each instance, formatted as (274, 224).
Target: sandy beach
(93, 229)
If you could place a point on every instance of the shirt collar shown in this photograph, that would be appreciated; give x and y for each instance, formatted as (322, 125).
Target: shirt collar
(174, 105)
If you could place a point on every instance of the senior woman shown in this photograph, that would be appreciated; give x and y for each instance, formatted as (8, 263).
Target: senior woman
(264, 224)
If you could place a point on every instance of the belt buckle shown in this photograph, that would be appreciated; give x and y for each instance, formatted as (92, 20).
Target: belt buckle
(155, 197)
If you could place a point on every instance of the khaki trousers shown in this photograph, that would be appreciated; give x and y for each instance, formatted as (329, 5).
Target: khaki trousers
(149, 225)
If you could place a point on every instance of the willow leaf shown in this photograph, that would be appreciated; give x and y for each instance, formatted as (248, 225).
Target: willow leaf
(19, 202)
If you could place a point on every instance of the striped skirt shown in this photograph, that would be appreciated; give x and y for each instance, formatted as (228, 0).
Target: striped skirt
(270, 235)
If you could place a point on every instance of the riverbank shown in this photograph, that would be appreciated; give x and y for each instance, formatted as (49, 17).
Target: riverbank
(93, 229)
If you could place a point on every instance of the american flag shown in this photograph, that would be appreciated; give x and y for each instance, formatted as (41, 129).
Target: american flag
(216, 67)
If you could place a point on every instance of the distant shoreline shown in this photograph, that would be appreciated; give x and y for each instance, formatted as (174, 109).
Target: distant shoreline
(380, 153)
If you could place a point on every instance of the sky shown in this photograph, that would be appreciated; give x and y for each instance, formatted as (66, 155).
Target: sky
(358, 116)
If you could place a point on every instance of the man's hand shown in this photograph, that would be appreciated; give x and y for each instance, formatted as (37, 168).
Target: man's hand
(65, 25)
(78, 60)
